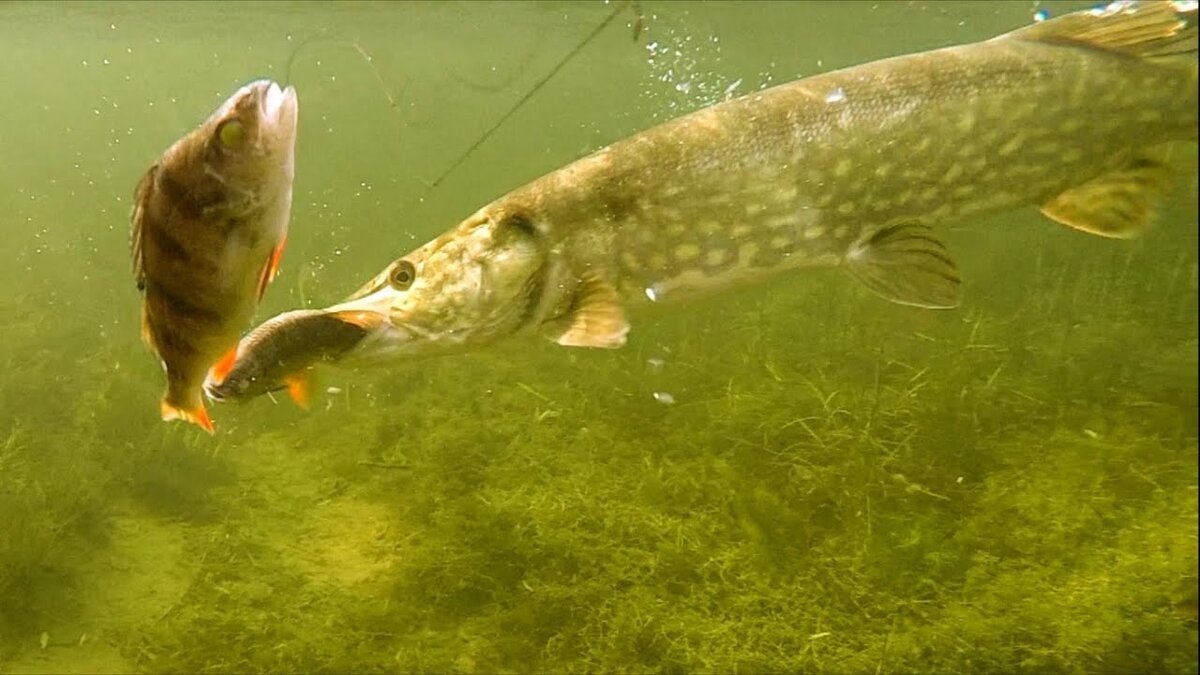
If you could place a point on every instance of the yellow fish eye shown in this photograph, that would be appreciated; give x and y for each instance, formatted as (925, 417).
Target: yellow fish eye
(232, 134)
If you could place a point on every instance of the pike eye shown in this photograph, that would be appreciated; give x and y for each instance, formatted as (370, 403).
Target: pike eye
(232, 134)
(403, 275)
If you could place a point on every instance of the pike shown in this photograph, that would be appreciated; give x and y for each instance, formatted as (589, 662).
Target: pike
(848, 169)
(208, 227)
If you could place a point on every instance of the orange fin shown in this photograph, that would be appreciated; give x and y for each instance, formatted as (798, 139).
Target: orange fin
(270, 268)
(221, 369)
(595, 320)
(299, 387)
(364, 319)
(198, 415)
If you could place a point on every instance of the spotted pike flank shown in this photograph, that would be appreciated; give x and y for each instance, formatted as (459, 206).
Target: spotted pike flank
(209, 222)
(282, 352)
(852, 169)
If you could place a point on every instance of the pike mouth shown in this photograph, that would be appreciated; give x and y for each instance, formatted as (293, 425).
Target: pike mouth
(383, 335)
(385, 341)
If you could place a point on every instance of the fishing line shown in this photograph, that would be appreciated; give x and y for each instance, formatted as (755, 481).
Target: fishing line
(542, 82)
(324, 35)
(305, 270)
(503, 85)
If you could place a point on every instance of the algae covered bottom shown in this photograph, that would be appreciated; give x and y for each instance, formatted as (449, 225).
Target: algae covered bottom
(793, 476)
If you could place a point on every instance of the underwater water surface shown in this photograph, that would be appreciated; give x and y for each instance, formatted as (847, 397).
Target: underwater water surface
(795, 476)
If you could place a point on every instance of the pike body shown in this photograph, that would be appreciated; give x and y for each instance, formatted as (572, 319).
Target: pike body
(850, 169)
(209, 222)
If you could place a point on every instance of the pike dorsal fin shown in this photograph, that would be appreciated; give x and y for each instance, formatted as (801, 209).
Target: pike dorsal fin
(595, 318)
(1155, 29)
(1119, 203)
(908, 265)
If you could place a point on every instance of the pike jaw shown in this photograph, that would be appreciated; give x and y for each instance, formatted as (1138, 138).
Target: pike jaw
(482, 281)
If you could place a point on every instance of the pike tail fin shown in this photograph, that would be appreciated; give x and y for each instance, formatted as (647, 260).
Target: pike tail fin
(1151, 29)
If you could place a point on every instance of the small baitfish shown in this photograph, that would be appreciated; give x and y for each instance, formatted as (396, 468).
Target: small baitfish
(209, 222)
(851, 169)
(282, 352)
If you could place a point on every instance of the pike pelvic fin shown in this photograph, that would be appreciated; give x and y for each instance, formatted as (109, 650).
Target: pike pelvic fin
(906, 264)
(198, 415)
(1119, 204)
(595, 318)
(1154, 29)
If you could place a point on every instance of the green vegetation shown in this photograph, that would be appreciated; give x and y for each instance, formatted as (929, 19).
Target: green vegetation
(840, 485)
(844, 486)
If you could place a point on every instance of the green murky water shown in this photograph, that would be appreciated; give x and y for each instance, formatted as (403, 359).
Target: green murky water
(841, 485)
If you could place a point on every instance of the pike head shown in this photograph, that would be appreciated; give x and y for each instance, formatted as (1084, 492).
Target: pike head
(484, 280)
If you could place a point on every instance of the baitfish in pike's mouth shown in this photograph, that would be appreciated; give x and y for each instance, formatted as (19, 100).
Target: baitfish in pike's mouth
(849, 169)
(282, 353)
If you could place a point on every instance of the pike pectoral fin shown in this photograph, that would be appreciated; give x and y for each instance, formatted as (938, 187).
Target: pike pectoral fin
(198, 415)
(1119, 204)
(299, 387)
(595, 319)
(908, 265)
